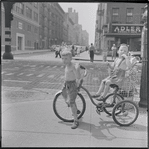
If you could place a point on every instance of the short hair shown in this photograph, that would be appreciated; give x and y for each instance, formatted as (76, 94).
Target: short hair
(126, 46)
(66, 52)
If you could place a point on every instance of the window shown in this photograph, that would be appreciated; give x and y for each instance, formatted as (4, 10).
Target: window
(36, 30)
(29, 28)
(36, 5)
(28, 12)
(35, 16)
(129, 15)
(115, 15)
(20, 8)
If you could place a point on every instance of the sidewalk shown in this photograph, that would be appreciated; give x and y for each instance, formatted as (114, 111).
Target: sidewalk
(33, 124)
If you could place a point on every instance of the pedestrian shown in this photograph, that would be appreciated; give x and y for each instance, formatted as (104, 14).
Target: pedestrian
(114, 51)
(72, 80)
(78, 51)
(117, 73)
(91, 52)
(57, 51)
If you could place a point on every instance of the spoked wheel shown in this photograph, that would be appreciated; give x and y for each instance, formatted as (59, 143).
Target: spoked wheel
(125, 113)
(110, 102)
(63, 111)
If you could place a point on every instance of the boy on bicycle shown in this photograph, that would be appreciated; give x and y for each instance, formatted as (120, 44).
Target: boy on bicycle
(72, 80)
(117, 72)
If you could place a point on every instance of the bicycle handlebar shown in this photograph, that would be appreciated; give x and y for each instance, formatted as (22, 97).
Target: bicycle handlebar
(85, 70)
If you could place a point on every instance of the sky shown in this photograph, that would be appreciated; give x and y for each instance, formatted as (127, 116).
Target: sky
(87, 16)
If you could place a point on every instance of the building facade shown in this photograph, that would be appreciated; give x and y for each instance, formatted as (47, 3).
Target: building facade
(52, 31)
(24, 26)
(119, 23)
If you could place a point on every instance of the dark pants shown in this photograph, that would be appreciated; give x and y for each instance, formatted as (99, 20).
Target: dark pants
(91, 56)
(57, 53)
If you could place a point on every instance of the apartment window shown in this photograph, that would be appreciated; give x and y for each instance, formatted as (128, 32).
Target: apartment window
(20, 8)
(129, 15)
(28, 12)
(115, 15)
(36, 16)
(29, 43)
(35, 30)
(36, 5)
(29, 28)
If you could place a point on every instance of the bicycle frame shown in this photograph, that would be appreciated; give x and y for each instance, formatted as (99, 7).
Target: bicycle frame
(88, 93)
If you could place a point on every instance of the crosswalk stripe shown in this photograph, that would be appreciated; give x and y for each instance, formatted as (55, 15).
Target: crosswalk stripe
(40, 75)
(8, 74)
(29, 75)
(51, 76)
(20, 74)
(54, 66)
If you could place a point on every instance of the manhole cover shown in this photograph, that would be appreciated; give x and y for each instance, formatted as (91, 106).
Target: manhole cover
(19, 94)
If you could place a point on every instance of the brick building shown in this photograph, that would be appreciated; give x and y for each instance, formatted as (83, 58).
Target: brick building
(24, 27)
(119, 23)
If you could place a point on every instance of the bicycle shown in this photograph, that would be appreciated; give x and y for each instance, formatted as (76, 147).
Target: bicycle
(113, 104)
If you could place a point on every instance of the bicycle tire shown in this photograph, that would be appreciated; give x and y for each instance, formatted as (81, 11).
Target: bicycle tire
(66, 116)
(109, 109)
(124, 112)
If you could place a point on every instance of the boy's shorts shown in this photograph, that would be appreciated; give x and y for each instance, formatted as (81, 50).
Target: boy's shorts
(69, 91)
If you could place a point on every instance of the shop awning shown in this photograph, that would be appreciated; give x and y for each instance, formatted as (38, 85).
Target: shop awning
(122, 35)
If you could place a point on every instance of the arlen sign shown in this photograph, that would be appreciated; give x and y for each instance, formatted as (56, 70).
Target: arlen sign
(130, 29)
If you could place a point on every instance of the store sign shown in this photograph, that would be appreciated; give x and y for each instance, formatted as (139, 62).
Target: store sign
(127, 29)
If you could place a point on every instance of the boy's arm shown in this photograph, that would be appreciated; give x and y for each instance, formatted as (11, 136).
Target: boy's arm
(76, 70)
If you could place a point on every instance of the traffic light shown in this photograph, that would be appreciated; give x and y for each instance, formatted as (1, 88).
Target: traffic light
(11, 16)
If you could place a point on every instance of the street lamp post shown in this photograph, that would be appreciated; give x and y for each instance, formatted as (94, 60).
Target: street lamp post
(8, 18)
(143, 87)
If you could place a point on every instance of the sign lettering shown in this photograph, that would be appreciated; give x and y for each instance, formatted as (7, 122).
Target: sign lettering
(127, 29)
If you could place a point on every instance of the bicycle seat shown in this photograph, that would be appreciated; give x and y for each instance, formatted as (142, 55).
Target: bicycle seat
(114, 86)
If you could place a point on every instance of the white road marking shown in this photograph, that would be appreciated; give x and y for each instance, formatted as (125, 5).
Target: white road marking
(29, 75)
(40, 75)
(51, 76)
(54, 66)
(20, 74)
(8, 74)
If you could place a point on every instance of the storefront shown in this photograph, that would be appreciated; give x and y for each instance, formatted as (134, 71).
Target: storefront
(125, 33)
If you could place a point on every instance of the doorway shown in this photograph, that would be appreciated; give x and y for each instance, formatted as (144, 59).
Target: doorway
(19, 43)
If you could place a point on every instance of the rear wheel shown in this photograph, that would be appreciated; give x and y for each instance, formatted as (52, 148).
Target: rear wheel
(125, 113)
(110, 102)
(63, 111)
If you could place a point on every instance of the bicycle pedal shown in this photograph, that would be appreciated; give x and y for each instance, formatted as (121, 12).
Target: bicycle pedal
(78, 111)
(98, 111)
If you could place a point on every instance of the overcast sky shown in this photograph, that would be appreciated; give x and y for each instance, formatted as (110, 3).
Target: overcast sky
(87, 16)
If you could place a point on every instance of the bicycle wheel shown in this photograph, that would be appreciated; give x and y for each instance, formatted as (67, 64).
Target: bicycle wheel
(125, 113)
(63, 111)
(110, 102)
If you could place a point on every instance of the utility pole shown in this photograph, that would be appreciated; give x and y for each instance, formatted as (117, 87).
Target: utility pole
(8, 18)
(143, 87)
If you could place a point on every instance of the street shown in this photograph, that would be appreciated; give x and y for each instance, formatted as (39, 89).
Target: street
(28, 119)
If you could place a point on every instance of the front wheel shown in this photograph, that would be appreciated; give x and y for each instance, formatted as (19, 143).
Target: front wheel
(125, 113)
(63, 111)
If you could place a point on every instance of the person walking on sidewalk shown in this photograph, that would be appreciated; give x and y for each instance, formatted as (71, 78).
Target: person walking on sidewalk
(57, 52)
(114, 51)
(72, 80)
(91, 52)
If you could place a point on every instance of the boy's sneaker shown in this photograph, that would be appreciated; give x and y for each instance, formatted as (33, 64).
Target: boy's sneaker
(75, 125)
